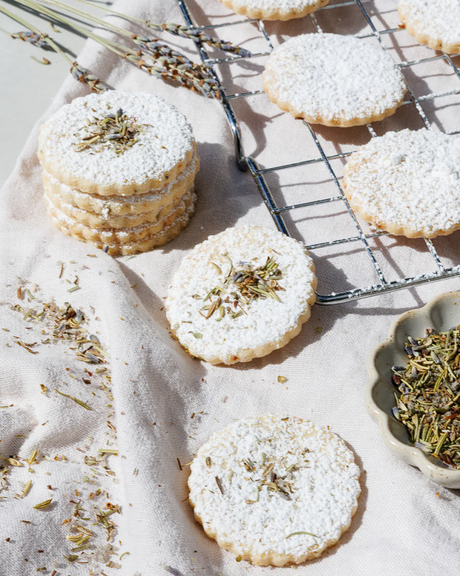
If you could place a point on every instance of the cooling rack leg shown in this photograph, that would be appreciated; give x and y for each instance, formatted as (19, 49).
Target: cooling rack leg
(236, 133)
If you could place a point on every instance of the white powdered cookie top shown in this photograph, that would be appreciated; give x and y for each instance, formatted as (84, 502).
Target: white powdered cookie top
(331, 77)
(438, 19)
(278, 6)
(263, 320)
(164, 139)
(409, 179)
(278, 476)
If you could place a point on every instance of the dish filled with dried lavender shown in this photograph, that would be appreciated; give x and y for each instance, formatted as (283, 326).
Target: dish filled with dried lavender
(414, 391)
(428, 400)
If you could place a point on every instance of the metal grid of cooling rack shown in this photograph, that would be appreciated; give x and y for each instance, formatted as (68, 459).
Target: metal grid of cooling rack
(247, 163)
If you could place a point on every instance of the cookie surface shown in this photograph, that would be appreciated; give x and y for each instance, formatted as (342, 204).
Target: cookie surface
(435, 23)
(274, 490)
(110, 206)
(167, 234)
(116, 143)
(407, 183)
(121, 235)
(274, 9)
(101, 221)
(241, 294)
(333, 80)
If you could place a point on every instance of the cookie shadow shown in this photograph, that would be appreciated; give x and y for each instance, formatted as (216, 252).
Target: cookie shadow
(225, 194)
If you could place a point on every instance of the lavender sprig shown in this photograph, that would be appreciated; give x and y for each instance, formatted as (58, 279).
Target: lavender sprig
(85, 76)
(200, 36)
(156, 48)
(177, 63)
(168, 70)
(169, 65)
(38, 40)
(178, 30)
(166, 62)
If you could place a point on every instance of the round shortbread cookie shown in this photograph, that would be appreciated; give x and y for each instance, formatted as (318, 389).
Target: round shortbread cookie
(98, 221)
(435, 23)
(241, 294)
(166, 235)
(274, 9)
(121, 235)
(154, 140)
(333, 80)
(407, 183)
(110, 206)
(274, 490)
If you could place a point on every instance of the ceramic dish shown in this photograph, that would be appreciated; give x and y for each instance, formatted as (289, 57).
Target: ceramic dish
(441, 314)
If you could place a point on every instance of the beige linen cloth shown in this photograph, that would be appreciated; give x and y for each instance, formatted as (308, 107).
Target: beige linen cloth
(405, 524)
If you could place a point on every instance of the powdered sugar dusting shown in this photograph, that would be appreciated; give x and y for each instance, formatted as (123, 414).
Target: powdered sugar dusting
(164, 140)
(266, 320)
(148, 243)
(105, 219)
(438, 19)
(334, 77)
(313, 465)
(408, 180)
(282, 7)
(123, 235)
(110, 204)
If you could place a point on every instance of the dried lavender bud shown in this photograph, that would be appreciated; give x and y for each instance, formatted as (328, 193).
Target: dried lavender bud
(428, 403)
(87, 77)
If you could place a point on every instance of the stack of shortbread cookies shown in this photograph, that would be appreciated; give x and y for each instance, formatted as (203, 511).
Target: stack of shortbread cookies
(119, 171)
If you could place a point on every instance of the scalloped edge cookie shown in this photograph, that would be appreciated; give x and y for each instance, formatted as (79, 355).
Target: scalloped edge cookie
(120, 235)
(148, 243)
(275, 14)
(290, 96)
(377, 163)
(117, 206)
(84, 185)
(222, 458)
(161, 146)
(228, 346)
(97, 221)
(416, 27)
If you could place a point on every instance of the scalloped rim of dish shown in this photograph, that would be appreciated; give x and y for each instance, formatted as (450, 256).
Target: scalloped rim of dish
(444, 476)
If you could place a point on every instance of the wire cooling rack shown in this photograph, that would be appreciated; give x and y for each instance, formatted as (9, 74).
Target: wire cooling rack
(248, 163)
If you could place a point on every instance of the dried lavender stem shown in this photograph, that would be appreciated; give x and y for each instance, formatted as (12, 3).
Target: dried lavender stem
(179, 30)
(171, 70)
(78, 72)
(200, 36)
(90, 17)
(44, 37)
(428, 388)
(87, 77)
(149, 45)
